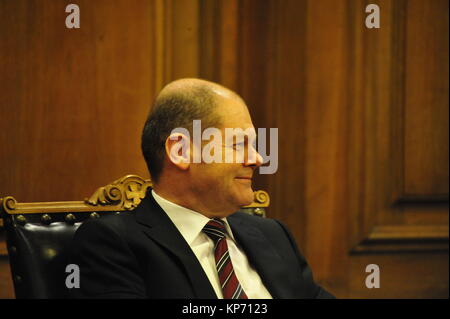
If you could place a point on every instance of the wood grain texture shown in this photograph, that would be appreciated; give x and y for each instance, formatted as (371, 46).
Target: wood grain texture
(402, 275)
(73, 101)
(426, 101)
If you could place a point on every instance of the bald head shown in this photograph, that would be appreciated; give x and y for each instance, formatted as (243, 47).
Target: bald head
(176, 106)
(192, 88)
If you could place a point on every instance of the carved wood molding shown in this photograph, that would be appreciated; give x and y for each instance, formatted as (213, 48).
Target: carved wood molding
(261, 199)
(379, 205)
(126, 193)
(404, 238)
(409, 232)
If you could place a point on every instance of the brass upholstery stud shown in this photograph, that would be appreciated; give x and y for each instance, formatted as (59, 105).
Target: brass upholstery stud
(21, 220)
(46, 219)
(70, 219)
(17, 279)
(94, 215)
(259, 211)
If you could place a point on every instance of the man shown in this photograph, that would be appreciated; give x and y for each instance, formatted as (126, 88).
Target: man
(185, 240)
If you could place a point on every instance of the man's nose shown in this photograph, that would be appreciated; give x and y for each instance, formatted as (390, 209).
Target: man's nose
(253, 158)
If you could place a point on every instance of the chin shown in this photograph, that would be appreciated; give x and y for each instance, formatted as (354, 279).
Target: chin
(246, 200)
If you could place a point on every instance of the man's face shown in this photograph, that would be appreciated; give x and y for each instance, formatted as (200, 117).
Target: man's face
(224, 187)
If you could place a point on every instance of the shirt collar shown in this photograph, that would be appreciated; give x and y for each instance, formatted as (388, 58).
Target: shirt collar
(189, 222)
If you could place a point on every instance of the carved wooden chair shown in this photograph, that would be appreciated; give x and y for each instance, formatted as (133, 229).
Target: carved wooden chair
(38, 234)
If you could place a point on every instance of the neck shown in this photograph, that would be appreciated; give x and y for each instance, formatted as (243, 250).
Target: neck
(184, 197)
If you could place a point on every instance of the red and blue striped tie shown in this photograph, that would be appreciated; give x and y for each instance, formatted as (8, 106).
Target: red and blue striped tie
(231, 287)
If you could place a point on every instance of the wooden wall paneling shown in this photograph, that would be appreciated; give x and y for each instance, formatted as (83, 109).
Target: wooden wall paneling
(382, 128)
(424, 196)
(286, 112)
(406, 236)
(356, 136)
(383, 209)
(370, 137)
(159, 38)
(74, 110)
(73, 101)
(325, 148)
(183, 38)
(218, 45)
(209, 39)
(288, 79)
(229, 15)
(403, 275)
(177, 31)
(426, 101)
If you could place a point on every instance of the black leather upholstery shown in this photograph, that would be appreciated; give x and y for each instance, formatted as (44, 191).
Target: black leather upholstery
(38, 252)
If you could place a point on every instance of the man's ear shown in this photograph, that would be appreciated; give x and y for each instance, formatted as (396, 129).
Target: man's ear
(178, 149)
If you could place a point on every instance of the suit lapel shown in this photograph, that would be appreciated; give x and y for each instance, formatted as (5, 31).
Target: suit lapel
(160, 228)
(261, 255)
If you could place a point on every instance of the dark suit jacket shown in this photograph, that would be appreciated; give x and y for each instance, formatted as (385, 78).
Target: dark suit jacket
(143, 255)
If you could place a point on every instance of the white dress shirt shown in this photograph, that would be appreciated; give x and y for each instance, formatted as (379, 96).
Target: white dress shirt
(190, 225)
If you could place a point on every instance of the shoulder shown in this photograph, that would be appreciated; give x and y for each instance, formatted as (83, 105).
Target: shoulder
(115, 225)
(274, 230)
(268, 226)
(257, 221)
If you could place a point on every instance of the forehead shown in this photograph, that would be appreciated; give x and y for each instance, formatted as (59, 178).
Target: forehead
(234, 113)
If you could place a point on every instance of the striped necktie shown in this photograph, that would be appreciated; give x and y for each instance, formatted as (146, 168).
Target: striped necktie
(231, 288)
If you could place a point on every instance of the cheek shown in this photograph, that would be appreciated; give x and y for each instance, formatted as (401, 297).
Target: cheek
(218, 177)
(215, 176)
